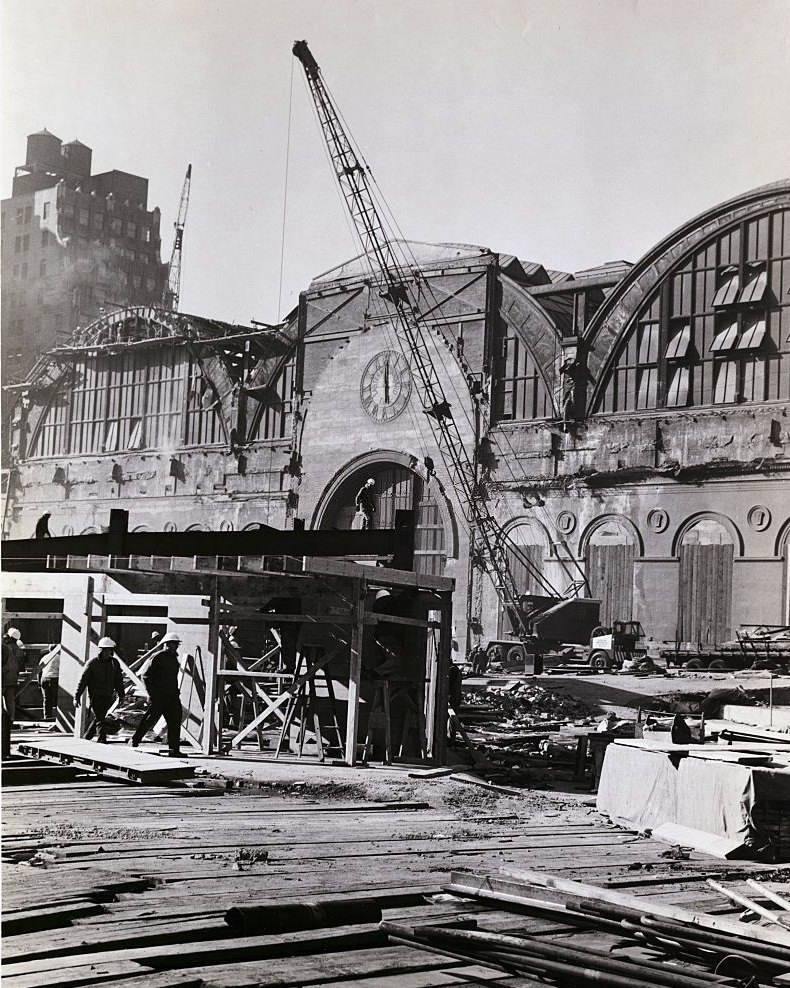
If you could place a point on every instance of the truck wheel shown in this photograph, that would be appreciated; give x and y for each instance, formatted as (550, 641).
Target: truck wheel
(515, 655)
(717, 664)
(600, 661)
(693, 664)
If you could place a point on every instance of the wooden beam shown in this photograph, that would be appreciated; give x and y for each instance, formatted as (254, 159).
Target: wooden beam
(32, 554)
(355, 672)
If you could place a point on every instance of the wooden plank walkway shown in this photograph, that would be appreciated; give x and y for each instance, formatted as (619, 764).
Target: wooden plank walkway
(110, 760)
(105, 884)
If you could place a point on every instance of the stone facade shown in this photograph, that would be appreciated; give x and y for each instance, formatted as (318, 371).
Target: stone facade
(629, 424)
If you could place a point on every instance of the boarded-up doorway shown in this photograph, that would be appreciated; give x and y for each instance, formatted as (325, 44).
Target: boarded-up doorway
(610, 570)
(705, 590)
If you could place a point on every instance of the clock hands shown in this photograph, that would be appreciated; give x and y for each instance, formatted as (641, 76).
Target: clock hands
(387, 383)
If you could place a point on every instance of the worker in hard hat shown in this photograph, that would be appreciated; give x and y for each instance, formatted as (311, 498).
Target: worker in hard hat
(13, 661)
(164, 696)
(101, 677)
(47, 675)
(365, 502)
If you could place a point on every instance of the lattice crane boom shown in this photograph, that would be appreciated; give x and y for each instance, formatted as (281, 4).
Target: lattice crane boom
(397, 287)
(172, 292)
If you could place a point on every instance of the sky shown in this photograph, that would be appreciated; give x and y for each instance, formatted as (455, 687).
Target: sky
(570, 132)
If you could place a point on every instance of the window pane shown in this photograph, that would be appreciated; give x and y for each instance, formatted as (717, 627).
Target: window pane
(648, 381)
(648, 344)
(727, 291)
(678, 387)
(726, 382)
(726, 338)
(756, 283)
(754, 335)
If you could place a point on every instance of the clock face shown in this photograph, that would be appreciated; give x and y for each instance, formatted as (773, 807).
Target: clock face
(385, 386)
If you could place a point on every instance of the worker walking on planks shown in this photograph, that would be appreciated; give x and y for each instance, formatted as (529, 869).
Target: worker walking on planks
(101, 677)
(161, 681)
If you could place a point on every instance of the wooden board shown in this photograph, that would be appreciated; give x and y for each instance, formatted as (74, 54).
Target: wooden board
(112, 760)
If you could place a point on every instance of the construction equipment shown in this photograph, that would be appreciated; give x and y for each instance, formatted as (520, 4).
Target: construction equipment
(400, 285)
(172, 292)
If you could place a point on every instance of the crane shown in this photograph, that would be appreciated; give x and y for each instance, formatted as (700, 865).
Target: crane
(396, 284)
(172, 291)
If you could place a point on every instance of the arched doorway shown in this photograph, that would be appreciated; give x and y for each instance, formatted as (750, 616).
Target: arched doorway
(527, 548)
(706, 552)
(610, 554)
(396, 489)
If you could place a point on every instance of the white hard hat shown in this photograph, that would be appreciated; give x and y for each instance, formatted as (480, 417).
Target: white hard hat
(14, 633)
(171, 636)
(106, 643)
(370, 480)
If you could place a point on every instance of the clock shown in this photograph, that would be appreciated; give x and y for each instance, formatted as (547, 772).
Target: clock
(385, 386)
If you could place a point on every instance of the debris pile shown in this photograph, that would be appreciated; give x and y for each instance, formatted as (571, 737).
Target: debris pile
(521, 733)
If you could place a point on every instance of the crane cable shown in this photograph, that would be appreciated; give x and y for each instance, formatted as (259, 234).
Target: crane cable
(285, 196)
(407, 262)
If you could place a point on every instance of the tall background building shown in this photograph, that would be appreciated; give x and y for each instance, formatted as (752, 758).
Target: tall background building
(74, 245)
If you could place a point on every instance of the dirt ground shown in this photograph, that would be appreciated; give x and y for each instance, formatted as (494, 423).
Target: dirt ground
(621, 694)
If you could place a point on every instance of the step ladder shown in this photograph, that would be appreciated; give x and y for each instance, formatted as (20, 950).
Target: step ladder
(303, 709)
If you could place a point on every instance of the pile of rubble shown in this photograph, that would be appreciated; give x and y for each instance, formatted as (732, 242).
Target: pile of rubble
(524, 733)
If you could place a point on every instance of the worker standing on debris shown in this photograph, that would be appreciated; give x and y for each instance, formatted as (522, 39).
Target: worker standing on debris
(13, 661)
(101, 677)
(48, 673)
(366, 503)
(42, 527)
(161, 681)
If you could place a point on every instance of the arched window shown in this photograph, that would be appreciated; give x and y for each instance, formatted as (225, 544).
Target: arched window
(397, 488)
(272, 418)
(715, 331)
(519, 389)
(149, 398)
(526, 551)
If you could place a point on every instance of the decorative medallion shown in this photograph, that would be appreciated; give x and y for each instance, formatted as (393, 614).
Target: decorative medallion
(170, 526)
(658, 520)
(385, 386)
(759, 517)
(566, 522)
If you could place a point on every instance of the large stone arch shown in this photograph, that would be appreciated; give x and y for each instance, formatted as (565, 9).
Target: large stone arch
(538, 332)
(401, 481)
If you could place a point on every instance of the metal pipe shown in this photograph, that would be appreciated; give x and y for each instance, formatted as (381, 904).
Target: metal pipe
(751, 905)
(769, 894)
(599, 960)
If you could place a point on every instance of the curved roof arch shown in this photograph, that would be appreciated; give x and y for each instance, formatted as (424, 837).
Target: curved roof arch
(617, 312)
